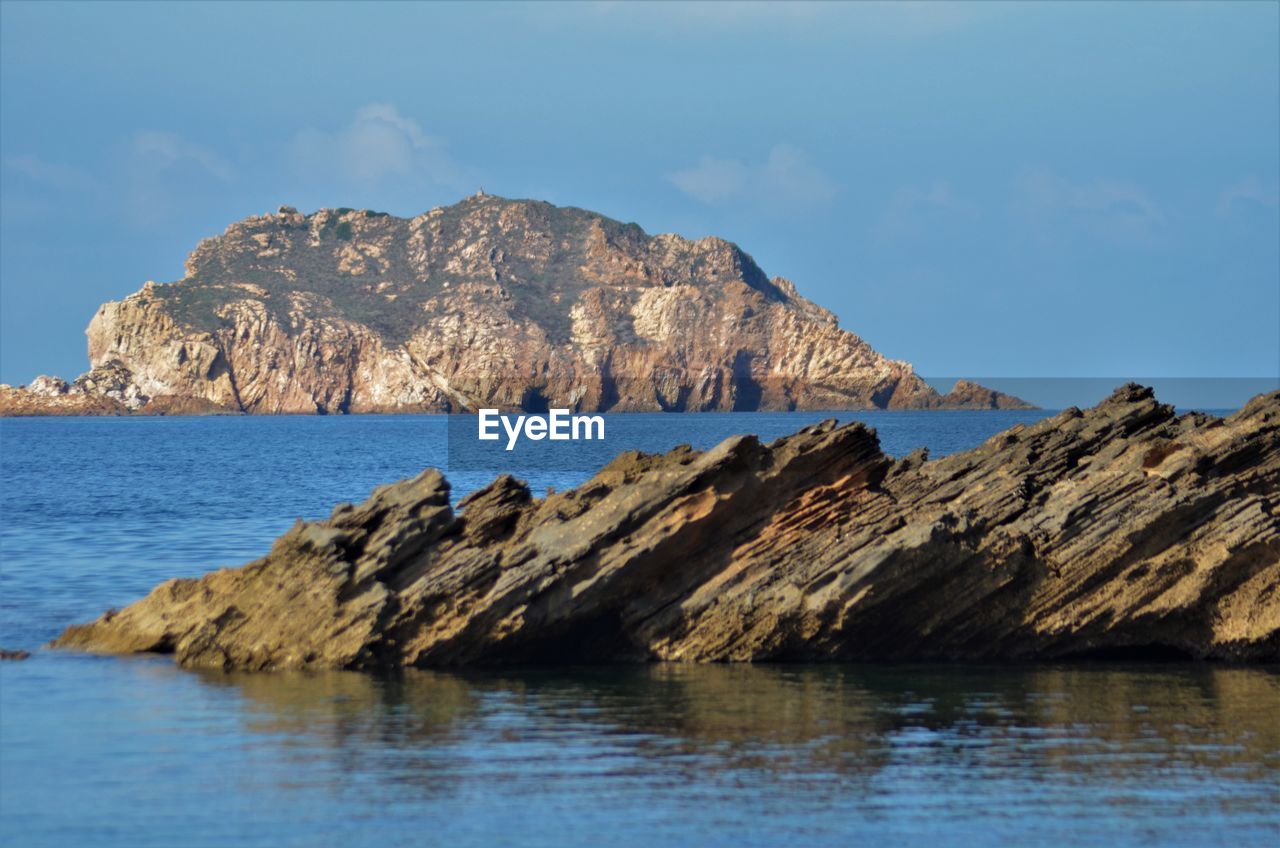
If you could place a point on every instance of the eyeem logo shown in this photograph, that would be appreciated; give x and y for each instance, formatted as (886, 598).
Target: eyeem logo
(558, 425)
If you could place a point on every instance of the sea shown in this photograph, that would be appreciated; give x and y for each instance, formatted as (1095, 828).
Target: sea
(136, 752)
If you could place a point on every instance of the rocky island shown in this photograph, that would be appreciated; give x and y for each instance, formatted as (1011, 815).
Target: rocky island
(1119, 531)
(511, 304)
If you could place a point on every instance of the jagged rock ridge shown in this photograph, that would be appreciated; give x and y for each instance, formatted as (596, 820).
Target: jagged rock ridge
(487, 303)
(1120, 530)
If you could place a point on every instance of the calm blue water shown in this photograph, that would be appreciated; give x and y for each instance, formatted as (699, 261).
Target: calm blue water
(135, 752)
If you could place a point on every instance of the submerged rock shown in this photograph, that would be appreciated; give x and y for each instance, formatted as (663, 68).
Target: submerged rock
(1122, 531)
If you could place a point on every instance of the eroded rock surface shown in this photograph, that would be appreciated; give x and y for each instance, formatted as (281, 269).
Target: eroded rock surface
(1120, 530)
(487, 303)
(53, 399)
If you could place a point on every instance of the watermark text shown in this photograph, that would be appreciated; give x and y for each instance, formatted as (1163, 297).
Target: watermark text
(558, 425)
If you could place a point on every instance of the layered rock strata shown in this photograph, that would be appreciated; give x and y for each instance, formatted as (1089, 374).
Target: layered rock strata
(1123, 530)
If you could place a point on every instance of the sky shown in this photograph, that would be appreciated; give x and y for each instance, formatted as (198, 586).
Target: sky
(995, 189)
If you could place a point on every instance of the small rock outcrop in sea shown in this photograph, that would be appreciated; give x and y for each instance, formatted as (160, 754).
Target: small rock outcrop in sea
(487, 303)
(7, 654)
(106, 390)
(1122, 530)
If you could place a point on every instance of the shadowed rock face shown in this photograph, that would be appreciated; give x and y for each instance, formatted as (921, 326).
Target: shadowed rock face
(1117, 531)
(487, 303)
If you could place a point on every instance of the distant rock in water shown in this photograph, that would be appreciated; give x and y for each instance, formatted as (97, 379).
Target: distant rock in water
(966, 394)
(487, 303)
(106, 390)
(37, 399)
(7, 654)
(1121, 531)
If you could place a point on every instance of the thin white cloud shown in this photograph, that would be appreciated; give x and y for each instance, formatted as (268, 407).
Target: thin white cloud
(163, 175)
(378, 145)
(874, 18)
(786, 182)
(1247, 192)
(712, 180)
(52, 174)
(1117, 209)
(162, 150)
(717, 12)
(912, 207)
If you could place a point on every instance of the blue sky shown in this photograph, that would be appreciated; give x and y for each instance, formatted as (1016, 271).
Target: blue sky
(993, 189)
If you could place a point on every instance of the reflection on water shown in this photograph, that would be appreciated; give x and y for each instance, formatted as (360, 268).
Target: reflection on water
(698, 755)
(1104, 723)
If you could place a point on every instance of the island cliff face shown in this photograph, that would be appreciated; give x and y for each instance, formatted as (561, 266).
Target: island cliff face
(487, 303)
(1123, 530)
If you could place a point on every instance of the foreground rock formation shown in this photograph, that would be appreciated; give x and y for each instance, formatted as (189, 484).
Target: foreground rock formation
(487, 303)
(1120, 530)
